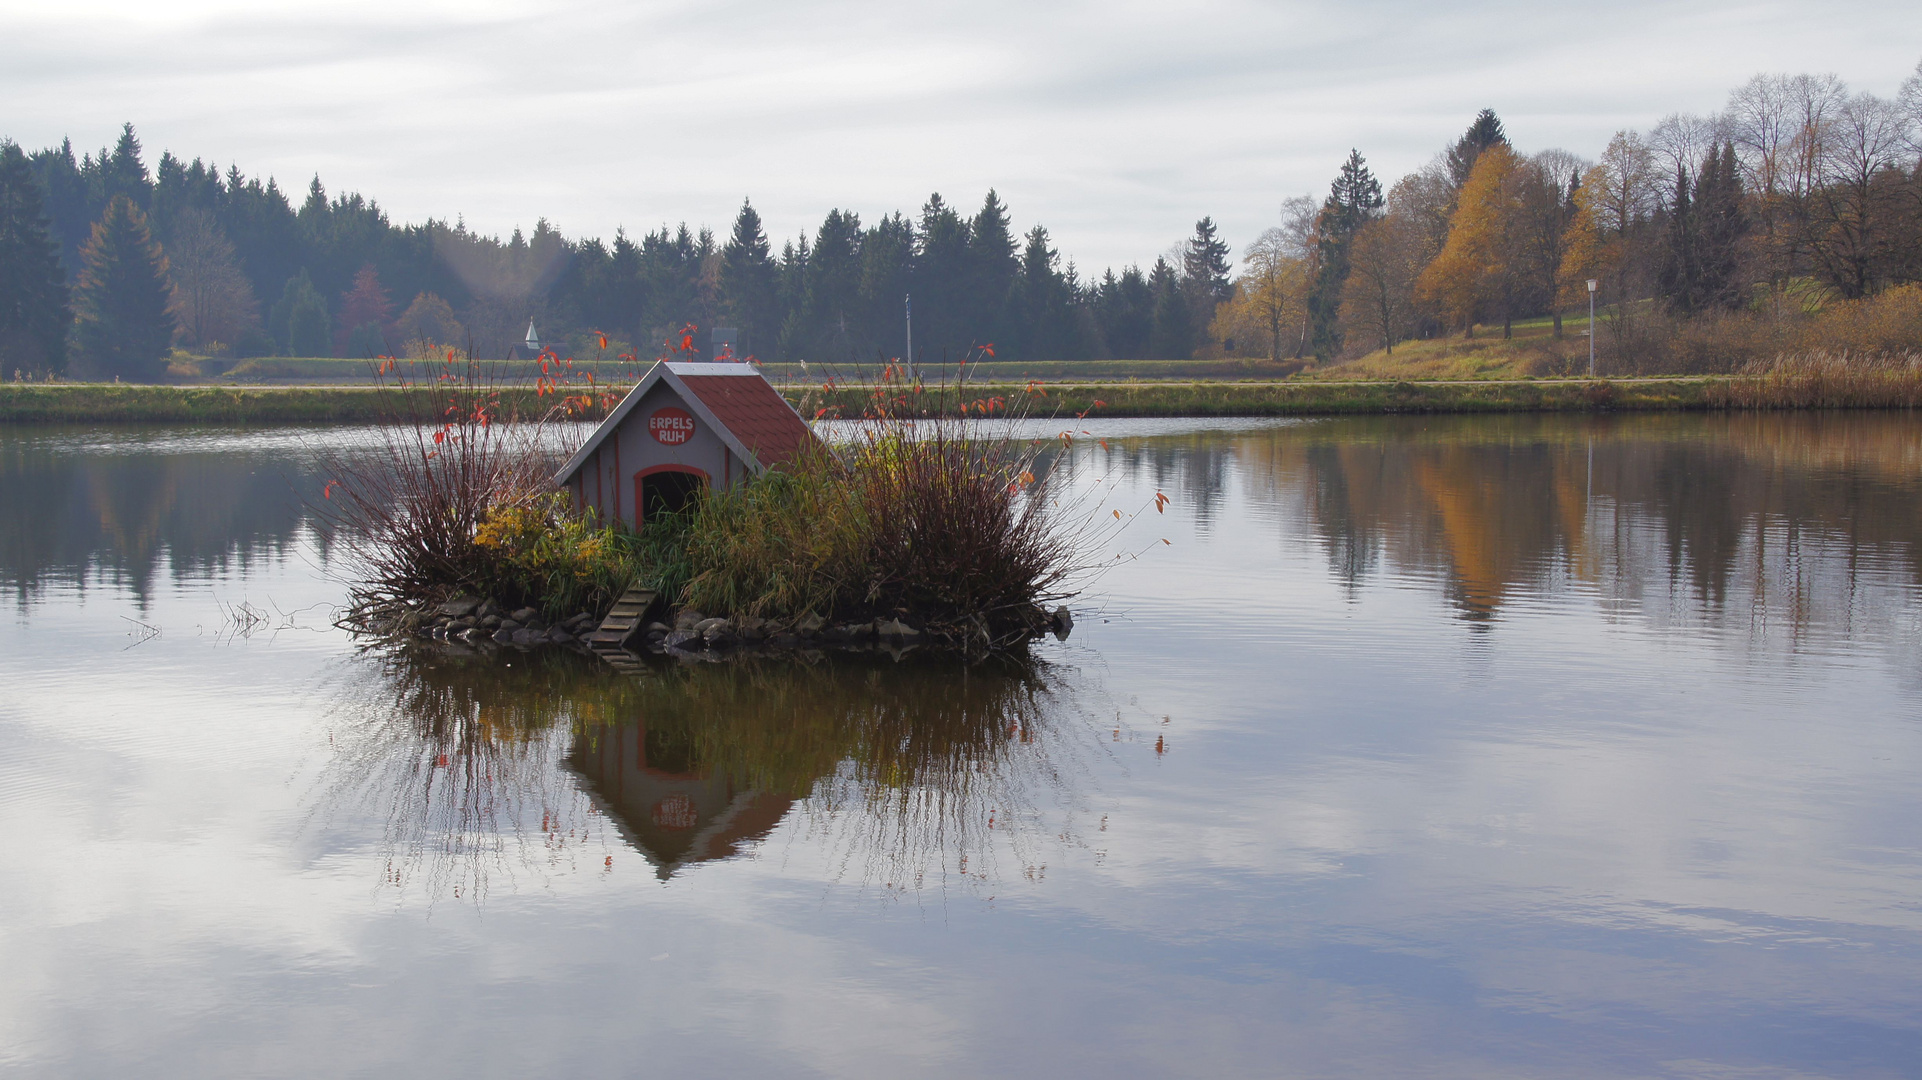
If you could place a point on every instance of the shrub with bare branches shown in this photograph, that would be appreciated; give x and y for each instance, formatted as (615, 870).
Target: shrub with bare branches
(407, 508)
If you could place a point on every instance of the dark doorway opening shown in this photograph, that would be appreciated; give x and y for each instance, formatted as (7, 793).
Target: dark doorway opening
(668, 491)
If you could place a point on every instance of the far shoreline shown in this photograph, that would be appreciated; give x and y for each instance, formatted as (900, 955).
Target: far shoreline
(108, 403)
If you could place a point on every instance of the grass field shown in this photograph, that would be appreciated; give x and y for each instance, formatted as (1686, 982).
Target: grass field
(1836, 387)
(27, 403)
(333, 371)
(1534, 352)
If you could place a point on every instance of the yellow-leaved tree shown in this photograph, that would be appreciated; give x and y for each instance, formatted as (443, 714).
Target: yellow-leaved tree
(1586, 252)
(1270, 297)
(1480, 272)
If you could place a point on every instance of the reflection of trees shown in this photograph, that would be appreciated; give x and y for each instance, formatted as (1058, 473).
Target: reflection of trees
(72, 512)
(898, 769)
(1680, 515)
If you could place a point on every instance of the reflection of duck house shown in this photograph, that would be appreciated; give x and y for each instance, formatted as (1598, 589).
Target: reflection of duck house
(669, 810)
(683, 428)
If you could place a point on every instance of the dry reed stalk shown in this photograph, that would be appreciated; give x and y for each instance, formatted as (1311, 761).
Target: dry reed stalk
(446, 454)
(1826, 379)
(937, 509)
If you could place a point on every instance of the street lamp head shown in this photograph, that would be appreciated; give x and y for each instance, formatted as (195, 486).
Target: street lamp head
(1592, 283)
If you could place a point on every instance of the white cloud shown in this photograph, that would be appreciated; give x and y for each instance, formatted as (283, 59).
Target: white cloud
(1116, 125)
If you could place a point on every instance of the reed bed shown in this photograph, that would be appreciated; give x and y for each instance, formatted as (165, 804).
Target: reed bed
(933, 511)
(1825, 379)
(455, 495)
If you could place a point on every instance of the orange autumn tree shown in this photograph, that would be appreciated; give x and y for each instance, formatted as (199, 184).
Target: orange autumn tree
(1480, 272)
(364, 314)
(1586, 251)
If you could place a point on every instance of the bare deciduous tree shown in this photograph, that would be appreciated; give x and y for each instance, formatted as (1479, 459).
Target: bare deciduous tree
(1300, 225)
(1911, 103)
(1274, 286)
(210, 297)
(1851, 227)
(1386, 259)
(1778, 124)
(1680, 140)
(1624, 185)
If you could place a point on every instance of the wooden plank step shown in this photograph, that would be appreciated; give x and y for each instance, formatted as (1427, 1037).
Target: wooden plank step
(623, 619)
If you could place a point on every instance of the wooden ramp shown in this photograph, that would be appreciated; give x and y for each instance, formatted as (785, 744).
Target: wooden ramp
(624, 620)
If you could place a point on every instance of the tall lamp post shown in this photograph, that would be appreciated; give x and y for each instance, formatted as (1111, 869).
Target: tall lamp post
(907, 303)
(1591, 326)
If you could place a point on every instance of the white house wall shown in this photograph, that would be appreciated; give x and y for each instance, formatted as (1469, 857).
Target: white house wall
(630, 450)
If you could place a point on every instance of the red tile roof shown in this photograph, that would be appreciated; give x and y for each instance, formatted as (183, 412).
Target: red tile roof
(756, 413)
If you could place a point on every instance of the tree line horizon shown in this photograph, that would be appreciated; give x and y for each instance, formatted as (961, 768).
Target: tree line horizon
(1797, 192)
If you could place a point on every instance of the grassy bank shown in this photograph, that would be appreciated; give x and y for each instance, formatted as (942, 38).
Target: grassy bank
(1820, 382)
(92, 403)
(1531, 353)
(1641, 339)
(335, 371)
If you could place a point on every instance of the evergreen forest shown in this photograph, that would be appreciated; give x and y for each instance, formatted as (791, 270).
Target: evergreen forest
(1800, 192)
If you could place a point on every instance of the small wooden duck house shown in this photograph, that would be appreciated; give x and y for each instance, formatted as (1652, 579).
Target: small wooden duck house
(683, 429)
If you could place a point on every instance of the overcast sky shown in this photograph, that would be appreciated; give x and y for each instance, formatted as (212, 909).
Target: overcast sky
(1116, 124)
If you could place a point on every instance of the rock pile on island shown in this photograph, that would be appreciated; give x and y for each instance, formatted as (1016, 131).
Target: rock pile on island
(482, 624)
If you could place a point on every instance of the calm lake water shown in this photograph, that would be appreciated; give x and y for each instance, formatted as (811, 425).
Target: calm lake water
(1464, 747)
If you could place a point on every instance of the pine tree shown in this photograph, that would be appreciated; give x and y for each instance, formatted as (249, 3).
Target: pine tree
(67, 204)
(1354, 199)
(299, 320)
(747, 285)
(1204, 274)
(1720, 225)
(791, 298)
(1044, 304)
(1205, 264)
(1124, 313)
(992, 272)
(887, 258)
(33, 290)
(1173, 333)
(942, 261)
(1485, 132)
(1681, 275)
(122, 326)
(834, 289)
(124, 174)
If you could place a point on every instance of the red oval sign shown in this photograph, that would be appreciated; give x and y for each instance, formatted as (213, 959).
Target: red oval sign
(671, 426)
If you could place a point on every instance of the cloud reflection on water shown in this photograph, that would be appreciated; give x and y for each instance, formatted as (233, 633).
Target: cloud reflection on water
(1470, 771)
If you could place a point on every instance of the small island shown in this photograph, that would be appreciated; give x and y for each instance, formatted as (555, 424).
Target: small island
(702, 516)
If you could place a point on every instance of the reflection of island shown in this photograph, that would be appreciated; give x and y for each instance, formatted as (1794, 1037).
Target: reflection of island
(667, 805)
(897, 770)
(897, 766)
